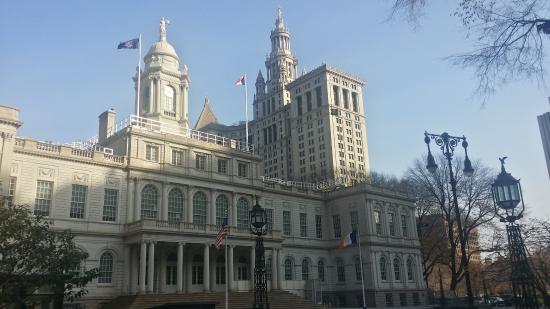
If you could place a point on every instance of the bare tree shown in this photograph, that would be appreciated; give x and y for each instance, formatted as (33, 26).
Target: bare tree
(508, 34)
(434, 194)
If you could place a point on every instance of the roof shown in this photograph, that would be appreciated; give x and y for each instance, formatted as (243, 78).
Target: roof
(206, 117)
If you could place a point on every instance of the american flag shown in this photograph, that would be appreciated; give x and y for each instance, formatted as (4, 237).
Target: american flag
(222, 233)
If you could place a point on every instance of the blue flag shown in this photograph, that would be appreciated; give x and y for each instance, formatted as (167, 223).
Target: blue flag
(132, 44)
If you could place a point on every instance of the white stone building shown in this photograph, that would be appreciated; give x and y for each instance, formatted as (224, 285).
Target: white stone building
(146, 199)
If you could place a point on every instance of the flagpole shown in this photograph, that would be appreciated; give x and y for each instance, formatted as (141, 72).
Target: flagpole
(138, 77)
(246, 108)
(226, 268)
(361, 264)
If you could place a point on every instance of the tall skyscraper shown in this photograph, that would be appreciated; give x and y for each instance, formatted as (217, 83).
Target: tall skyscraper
(544, 126)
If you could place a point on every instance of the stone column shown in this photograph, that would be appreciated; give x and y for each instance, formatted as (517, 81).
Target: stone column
(161, 288)
(212, 209)
(134, 269)
(130, 200)
(151, 268)
(188, 270)
(234, 210)
(278, 266)
(151, 94)
(252, 266)
(274, 270)
(212, 272)
(142, 266)
(137, 199)
(164, 199)
(230, 272)
(179, 269)
(159, 90)
(206, 267)
(190, 204)
(127, 270)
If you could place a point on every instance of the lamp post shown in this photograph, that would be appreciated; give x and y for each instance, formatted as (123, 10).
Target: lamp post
(507, 196)
(447, 144)
(258, 221)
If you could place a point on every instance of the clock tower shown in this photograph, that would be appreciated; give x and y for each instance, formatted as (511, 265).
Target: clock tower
(164, 84)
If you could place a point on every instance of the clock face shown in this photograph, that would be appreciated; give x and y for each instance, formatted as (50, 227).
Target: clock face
(169, 91)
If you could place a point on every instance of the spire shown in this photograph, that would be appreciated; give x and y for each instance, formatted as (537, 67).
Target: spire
(260, 78)
(162, 28)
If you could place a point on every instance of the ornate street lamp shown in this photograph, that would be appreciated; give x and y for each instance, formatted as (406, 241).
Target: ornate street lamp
(447, 144)
(507, 196)
(258, 227)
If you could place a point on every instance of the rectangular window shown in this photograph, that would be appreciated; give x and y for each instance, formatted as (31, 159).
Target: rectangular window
(243, 169)
(286, 222)
(336, 94)
(318, 226)
(377, 222)
(177, 157)
(299, 105)
(110, 205)
(43, 200)
(354, 219)
(389, 300)
(151, 153)
(391, 223)
(403, 299)
(171, 273)
(200, 162)
(78, 201)
(355, 101)
(345, 93)
(269, 216)
(336, 225)
(11, 192)
(222, 166)
(303, 225)
(319, 96)
(404, 225)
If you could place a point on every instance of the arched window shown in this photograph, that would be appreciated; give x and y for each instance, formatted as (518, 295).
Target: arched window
(171, 269)
(340, 270)
(149, 202)
(169, 99)
(220, 270)
(175, 205)
(305, 269)
(288, 269)
(197, 270)
(222, 209)
(383, 269)
(357, 264)
(397, 269)
(410, 269)
(242, 269)
(242, 214)
(321, 270)
(105, 268)
(199, 208)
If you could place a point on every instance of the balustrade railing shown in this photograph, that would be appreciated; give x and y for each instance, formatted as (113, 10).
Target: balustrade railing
(189, 227)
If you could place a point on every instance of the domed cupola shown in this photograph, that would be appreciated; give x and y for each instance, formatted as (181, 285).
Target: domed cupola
(162, 52)
(164, 84)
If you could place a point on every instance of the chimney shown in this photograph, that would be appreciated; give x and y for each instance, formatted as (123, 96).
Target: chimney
(106, 125)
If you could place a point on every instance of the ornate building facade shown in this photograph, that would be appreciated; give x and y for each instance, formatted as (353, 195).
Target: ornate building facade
(147, 197)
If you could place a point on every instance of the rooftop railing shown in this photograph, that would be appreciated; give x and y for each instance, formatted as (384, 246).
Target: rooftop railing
(162, 127)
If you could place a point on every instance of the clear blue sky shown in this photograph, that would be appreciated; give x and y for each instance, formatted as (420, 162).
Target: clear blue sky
(60, 67)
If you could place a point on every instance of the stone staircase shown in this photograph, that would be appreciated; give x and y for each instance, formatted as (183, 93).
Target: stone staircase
(237, 300)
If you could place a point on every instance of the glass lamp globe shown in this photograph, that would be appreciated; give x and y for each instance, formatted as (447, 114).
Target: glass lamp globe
(258, 218)
(506, 190)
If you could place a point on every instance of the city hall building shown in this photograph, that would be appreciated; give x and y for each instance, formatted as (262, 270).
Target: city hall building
(146, 198)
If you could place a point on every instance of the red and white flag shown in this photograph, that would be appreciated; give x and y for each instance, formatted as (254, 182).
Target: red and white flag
(240, 81)
(222, 233)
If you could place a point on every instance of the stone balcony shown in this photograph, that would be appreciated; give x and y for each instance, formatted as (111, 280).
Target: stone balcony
(193, 229)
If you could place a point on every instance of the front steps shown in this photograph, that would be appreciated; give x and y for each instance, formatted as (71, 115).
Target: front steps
(237, 300)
